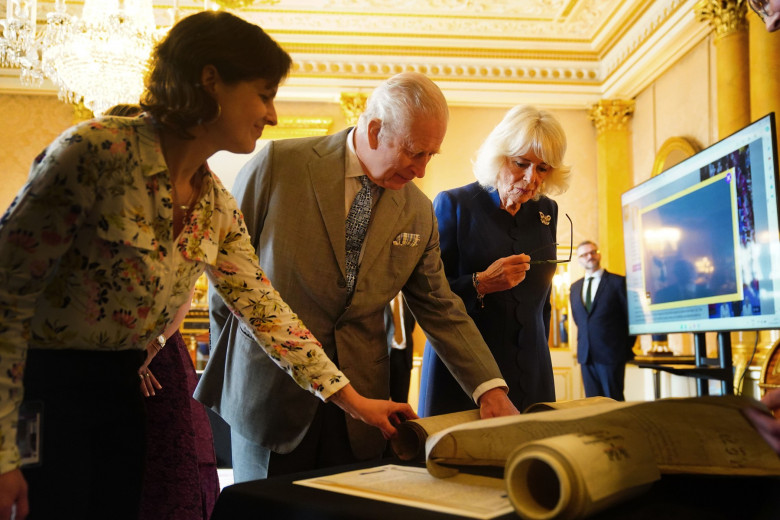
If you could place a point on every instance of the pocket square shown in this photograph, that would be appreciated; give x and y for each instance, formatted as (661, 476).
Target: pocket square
(407, 239)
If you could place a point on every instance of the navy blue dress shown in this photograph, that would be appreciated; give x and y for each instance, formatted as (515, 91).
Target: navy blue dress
(515, 324)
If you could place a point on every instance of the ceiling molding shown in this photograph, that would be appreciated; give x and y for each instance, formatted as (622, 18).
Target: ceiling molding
(666, 33)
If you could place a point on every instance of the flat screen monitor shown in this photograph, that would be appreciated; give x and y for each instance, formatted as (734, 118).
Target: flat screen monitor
(702, 243)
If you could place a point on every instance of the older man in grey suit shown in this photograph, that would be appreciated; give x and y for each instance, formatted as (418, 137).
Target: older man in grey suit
(297, 197)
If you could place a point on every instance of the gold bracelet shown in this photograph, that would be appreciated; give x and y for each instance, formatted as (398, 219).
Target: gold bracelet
(480, 297)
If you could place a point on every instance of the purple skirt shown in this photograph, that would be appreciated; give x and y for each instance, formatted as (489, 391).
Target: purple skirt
(180, 477)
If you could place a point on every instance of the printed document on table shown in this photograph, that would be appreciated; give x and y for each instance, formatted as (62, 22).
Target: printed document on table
(471, 496)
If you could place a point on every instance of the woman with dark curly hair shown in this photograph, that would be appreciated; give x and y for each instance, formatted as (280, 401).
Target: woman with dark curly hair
(102, 247)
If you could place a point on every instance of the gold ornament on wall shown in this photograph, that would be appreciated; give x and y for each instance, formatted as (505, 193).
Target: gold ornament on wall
(611, 114)
(770, 370)
(726, 16)
(81, 113)
(352, 104)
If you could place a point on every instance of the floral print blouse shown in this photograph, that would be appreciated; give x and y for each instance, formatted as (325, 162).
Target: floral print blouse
(88, 260)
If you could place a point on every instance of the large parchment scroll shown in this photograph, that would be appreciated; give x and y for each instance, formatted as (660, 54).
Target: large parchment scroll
(409, 445)
(410, 442)
(555, 461)
(703, 435)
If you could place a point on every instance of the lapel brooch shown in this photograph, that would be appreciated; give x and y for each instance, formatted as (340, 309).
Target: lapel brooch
(544, 218)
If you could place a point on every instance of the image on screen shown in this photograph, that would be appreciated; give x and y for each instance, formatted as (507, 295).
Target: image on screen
(701, 240)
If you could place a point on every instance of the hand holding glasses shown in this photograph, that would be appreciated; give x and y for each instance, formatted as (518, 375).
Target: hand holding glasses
(553, 244)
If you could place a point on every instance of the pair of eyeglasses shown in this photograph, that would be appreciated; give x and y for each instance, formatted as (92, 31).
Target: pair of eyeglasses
(760, 8)
(555, 244)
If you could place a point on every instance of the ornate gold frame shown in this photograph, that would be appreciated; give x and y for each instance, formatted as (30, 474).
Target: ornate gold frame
(672, 146)
(770, 370)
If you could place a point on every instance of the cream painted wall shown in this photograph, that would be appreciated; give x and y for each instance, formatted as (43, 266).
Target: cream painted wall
(468, 128)
(680, 103)
(29, 124)
(32, 122)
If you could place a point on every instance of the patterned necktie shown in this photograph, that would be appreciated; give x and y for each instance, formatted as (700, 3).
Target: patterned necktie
(357, 223)
(588, 297)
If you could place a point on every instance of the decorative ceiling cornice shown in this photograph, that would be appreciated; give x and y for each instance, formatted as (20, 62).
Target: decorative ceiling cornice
(557, 53)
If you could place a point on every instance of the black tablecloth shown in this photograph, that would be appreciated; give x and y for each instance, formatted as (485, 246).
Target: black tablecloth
(674, 496)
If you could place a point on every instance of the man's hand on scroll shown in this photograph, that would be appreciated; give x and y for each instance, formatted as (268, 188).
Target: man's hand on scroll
(385, 415)
(495, 403)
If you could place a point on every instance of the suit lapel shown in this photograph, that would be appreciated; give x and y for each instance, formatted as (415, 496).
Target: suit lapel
(384, 217)
(327, 180)
(577, 288)
(601, 289)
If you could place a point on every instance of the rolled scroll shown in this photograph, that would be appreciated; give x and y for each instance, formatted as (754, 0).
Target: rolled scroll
(576, 475)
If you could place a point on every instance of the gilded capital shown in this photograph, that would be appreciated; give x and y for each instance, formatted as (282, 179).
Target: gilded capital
(81, 113)
(611, 114)
(725, 16)
(352, 104)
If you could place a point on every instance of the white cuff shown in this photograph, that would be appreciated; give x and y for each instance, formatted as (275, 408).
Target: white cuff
(488, 385)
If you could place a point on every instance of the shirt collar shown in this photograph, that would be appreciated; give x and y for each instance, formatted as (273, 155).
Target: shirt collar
(597, 275)
(150, 156)
(352, 167)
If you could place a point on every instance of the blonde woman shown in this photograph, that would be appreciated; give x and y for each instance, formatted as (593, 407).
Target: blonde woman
(491, 231)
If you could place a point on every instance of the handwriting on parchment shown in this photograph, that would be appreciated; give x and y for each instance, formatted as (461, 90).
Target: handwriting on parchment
(614, 444)
(734, 450)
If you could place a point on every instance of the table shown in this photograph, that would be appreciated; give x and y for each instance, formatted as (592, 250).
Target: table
(674, 497)
(718, 368)
(657, 364)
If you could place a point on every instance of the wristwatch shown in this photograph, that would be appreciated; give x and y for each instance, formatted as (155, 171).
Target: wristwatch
(480, 296)
(161, 340)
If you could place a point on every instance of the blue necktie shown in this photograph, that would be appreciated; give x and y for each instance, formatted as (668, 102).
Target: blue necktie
(357, 224)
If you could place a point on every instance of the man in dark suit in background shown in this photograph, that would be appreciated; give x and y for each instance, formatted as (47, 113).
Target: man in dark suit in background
(598, 304)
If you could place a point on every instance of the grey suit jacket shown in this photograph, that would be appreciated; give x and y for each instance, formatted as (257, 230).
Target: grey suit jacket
(292, 197)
